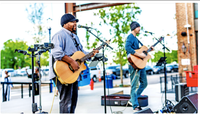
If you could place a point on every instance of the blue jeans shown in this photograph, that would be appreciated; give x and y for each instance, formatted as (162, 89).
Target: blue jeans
(136, 87)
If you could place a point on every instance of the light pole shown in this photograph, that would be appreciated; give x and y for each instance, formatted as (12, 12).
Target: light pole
(49, 20)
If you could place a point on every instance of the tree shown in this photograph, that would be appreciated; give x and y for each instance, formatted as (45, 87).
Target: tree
(10, 59)
(171, 57)
(35, 15)
(119, 18)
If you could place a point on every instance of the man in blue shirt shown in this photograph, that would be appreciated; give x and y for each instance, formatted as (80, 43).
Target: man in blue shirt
(136, 75)
(66, 43)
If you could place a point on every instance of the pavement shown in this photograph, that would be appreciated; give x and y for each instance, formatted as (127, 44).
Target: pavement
(89, 101)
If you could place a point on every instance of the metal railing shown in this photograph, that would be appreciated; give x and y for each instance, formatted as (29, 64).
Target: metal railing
(22, 83)
(171, 82)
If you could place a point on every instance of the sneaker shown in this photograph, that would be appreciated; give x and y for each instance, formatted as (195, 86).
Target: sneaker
(139, 108)
(130, 103)
(136, 109)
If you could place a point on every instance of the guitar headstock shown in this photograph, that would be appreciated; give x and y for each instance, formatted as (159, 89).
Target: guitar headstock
(161, 38)
(108, 41)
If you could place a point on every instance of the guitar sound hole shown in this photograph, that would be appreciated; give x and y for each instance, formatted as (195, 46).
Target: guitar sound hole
(78, 61)
(145, 53)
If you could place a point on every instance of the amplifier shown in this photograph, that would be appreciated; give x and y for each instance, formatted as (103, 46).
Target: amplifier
(184, 90)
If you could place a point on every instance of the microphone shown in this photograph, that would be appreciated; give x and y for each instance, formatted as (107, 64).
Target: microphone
(149, 32)
(81, 26)
(40, 52)
(21, 51)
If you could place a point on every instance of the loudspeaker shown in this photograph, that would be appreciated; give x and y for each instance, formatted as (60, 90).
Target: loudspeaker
(188, 104)
(184, 90)
(146, 110)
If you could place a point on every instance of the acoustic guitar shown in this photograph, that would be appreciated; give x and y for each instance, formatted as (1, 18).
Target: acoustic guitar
(65, 72)
(137, 62)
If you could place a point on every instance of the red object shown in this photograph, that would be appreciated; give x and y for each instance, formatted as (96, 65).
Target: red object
(99, 76)
(91, 84)
(99, 79)
(192, 77)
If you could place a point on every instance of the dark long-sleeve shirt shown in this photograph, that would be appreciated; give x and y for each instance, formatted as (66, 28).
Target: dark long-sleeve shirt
(132, 43)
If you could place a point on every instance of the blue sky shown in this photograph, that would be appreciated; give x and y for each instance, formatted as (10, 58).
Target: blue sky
(157, 17)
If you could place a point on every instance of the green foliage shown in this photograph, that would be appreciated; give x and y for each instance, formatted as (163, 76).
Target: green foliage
(12, 59)
(171, 57)
(44, 59)
(119, 18)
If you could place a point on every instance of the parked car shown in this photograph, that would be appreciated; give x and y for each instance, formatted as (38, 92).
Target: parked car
(95, 72)
(171, 67)
(149, 70)
(116, 71)
(11, 71)
(20, 72)
(1, 72)
(45, 71)
(175, 67)
(158, 69)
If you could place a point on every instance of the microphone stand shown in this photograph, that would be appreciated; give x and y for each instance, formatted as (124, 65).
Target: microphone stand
(34, 105)
(165, 76)
(103, 43)
(38, 62)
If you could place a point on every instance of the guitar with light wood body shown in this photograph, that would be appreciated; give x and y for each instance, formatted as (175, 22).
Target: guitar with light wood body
(137, 62)
(65, 72)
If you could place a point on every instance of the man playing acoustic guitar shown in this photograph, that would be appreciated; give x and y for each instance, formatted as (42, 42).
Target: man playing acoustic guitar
(66, 43)
(136, 75)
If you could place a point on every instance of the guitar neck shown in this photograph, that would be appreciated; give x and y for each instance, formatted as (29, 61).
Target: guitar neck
(89, 54)
(155, 44)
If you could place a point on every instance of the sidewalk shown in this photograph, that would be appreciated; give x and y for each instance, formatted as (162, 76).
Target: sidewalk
(89, 101)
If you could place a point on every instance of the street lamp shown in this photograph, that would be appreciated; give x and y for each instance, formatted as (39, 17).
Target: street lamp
(49, 20)
(183, 48)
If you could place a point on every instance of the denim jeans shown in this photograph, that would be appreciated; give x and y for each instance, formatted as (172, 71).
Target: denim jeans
(137, 88)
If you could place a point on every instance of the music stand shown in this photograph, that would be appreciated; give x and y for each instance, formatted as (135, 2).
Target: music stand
(161, 61)
(97, 58)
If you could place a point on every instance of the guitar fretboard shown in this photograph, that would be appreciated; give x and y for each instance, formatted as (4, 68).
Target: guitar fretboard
(155, 44)
(89, 54)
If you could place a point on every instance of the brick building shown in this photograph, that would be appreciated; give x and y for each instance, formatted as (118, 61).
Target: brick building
(187, 34)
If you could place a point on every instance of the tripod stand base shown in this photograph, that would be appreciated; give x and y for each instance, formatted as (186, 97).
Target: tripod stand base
(43, 112)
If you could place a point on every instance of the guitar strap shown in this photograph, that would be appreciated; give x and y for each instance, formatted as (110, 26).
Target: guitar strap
(77, 45)
(52, 66)
(139, 42)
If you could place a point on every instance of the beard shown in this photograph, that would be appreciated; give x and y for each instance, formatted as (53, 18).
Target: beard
(73, 30)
